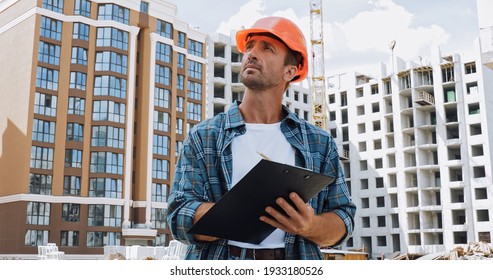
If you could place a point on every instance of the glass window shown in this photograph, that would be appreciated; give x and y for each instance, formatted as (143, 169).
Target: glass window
(41, 158)
(194, 111)
(108, 136)
(40, 184)
(78, 80)
(53, 5)
(73, 158)
(180, 82)
(113, 12)
(195, 48)
(165, 29)
(105, 187)
(163, 75)
(70, 212)
(180, 103)
(106, 162)
(159, 192)
(161, 97)
(36, 237)
(79, 56)
(43, 131)
(49, 53)
(163, 52)
(111, 61)
(38, 213)
(158, 218)
(194, 69)
(69, 238)
(101, 239)
(71, 185)
(161, 121)
(45, 104)
(51, 28)
(181, 61)
(75, 132)
(160, 145)
(105, 215)
(76, 106)
(112, 37)
(144, 7)
(160, 169)
(83, 8)
(181, 39)
(81, 31)
(110, 86)
(179, 126)
(194, 90)
(47, 78)
(108, 111)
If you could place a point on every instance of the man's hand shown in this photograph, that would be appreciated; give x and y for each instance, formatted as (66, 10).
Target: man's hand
(201, 210)
(325, 229)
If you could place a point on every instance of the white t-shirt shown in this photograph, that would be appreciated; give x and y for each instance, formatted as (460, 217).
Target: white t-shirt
(270, 141)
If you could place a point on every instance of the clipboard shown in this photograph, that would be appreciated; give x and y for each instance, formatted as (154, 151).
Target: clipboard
(235, 216)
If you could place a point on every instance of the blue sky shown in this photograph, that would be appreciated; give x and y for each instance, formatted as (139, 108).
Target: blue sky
(356, 32)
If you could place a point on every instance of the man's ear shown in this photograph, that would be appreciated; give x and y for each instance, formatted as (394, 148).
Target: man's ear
(290, 72)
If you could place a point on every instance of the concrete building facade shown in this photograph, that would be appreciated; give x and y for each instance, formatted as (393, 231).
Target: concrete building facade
(97, 97)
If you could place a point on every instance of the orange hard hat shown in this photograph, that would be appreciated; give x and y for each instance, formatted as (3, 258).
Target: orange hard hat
(286, 31)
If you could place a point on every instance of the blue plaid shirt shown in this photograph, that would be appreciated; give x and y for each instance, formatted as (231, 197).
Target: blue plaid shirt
(204, 170)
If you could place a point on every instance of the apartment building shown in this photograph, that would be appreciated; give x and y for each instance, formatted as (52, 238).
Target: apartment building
(224, 85)
(418, 139)
(97, 97)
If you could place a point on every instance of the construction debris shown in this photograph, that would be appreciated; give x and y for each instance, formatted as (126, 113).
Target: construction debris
(472, 251)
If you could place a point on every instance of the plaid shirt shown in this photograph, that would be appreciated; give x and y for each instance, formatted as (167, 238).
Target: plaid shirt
(204, 170)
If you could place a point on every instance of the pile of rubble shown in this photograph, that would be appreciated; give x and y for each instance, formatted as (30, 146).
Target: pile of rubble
(473, 251)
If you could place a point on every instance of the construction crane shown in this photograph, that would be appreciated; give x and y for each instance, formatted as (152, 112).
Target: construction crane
(318, 69)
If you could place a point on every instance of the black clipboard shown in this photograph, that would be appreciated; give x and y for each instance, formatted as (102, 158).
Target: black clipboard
(236, 215)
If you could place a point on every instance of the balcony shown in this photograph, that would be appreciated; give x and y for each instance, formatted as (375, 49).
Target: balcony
(424, 98)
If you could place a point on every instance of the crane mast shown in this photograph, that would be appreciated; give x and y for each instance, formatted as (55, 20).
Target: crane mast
(318, 69)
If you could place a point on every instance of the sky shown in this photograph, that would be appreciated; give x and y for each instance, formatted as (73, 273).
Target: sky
(357, 33)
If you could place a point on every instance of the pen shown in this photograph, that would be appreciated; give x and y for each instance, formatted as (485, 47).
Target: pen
(264, 156)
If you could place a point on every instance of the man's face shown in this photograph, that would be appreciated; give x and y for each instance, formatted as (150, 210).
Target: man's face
(263, 63)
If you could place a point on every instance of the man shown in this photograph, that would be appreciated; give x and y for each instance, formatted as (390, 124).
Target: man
(220, 151)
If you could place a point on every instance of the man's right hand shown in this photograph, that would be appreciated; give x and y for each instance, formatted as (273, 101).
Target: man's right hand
(201, 210)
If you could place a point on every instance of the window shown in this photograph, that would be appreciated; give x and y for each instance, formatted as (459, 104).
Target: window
(161, 121)
(180, 82)
(194, 90)
(363, 165)
(106, 162)
(105, 187)
(375, 107)
(161, 97)
(378, 163)
(374, 89)
(41, 158)
(160, 145)
(38, 213)
(79, 56)
(70, 212)
(470, 67)
(45, 104)
(108, 136)
(194, 111)
(181, 39)
(83, 8)
(71, 185)
(104, 215)
(365, 222)
(110, 86)
(381, 221)
(178, 147)
(43, 131)
(73, 158)
(181, 61)
(365, 202)
(78, 80)
(40, 184)
(195, 48)
(180, 102)
(376, 126)
(163, 52)
(111, 61)
(479, 171)
(144, 7)
(47, 78)
(113, 12)
(165, 29)
(36, 237)
(474, 109)
(48, 53)
(81, 31)
(380, 201)
(159, 192)
(69, 238)
(179, 126)
(160, 169)
(75, 132)
(163, 75)
(53, 5)
(51, 28)
(108, 111)
(158, 218)
(76, 106)
(483, 215)
(112, 37)
(364, 184)
(194, 69)
(379, 182)
(381, 241)
(481, 193)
